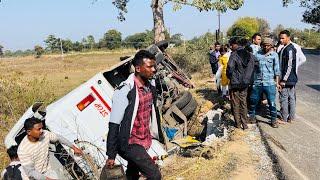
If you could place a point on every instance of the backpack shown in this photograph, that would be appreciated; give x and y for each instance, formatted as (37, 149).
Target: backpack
(13, 173)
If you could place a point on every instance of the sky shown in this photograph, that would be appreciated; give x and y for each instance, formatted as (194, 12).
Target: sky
(26, 23)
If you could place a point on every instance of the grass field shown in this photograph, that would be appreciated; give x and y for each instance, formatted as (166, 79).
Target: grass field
(24, 80)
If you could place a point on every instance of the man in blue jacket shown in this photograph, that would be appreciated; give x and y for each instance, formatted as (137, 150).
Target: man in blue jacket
(288, 78)
(135, 120)
(266, 79)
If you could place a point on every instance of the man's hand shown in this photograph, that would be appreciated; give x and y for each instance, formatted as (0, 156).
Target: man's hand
(282, 84)
(279, 87)
(77, 151)
(110, 163)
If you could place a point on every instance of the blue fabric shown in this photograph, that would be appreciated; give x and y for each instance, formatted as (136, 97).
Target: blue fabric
(256, 93)
(171, 132)
(255, 49)
(268, 68)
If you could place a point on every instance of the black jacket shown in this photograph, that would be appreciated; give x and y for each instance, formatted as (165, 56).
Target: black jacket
(240, 69)
(288, 63)
(120, 129)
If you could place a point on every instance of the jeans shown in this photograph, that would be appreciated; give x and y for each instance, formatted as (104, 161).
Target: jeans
(287, 103)
(239, 106)
(270, 92)
(140, 161)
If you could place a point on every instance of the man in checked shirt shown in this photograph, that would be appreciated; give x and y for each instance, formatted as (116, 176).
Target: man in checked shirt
(135, 119)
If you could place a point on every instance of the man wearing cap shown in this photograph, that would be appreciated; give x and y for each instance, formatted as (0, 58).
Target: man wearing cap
(266, 80)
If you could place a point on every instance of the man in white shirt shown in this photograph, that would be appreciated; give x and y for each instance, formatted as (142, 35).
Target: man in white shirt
(33, 150)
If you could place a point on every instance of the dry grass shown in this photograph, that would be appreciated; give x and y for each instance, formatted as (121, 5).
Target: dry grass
(25, 80)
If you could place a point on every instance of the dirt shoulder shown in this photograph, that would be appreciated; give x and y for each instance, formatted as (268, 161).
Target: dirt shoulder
(242, 156)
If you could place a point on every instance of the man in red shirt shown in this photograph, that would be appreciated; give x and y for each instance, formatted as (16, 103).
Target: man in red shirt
(134, 119)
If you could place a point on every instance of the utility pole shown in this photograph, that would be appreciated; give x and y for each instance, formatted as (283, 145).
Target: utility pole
(218, 31)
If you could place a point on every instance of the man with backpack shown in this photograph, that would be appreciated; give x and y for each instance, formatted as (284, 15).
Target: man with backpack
(239, 71)
(14, 171)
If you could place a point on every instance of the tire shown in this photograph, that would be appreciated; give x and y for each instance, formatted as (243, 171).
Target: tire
(183, 100)
(190, 108)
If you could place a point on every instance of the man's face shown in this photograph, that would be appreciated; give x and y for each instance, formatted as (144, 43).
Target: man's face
(218, 47)
(257, 40)
(267, 47)
(284, 39)
(234, 47)
(147, 69)
(36, 131)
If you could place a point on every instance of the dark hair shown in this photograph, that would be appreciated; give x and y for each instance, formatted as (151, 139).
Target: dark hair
(12, 152)
(227, 45)
(140, 55)
(223, 49)
(234, 40)
(243, 42)
(286, 32)
(216, 43)
(30, 122)
(255, 35)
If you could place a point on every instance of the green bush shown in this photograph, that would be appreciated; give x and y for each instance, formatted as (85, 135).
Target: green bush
(16, 96)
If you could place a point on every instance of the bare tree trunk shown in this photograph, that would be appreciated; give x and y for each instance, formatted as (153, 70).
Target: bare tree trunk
(159, 29)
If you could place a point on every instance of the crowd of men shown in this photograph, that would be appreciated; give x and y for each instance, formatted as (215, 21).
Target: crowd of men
(256, 73)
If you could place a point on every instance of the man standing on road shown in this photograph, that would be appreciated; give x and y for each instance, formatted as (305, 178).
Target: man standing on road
(266, 77)
(33, 150)
(289, 77)
(239, 71)
(301, 58)
(135, 120)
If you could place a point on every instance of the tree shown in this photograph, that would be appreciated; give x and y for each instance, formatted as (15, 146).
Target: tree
(157, 10)
(139, 40)
(312, 13)
(67, 45)
(111, 39)
(38, 50)
(91, 42)
(176, 39)
(264, 27)
(52, 43)
(77, 46)
(276, 31)
(1, 50)
(244, 27)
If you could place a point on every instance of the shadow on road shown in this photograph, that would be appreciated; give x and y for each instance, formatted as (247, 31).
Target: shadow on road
(311, 51)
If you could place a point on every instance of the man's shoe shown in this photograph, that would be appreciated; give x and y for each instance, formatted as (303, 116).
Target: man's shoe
(274, 125)
(289, 121)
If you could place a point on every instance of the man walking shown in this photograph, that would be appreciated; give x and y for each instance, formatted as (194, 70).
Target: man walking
(289, 77)
(266, 77)
(135, 119)
(239, 71)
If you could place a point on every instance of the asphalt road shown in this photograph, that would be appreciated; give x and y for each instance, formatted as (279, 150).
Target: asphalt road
(296, 145)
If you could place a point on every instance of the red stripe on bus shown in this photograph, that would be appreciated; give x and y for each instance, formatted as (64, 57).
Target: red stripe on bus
(101, 99)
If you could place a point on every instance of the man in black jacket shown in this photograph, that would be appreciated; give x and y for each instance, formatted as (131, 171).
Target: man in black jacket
(135, 120)
(239, 71)
(289, 78)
